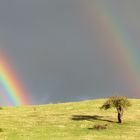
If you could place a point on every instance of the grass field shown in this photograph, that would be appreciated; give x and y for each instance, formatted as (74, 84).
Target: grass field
(68, 121)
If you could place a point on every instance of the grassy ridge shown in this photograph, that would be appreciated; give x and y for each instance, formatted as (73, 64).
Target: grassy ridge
(68, 121)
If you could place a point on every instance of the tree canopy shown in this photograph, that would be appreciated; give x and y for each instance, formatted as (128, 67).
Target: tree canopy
(118, 102)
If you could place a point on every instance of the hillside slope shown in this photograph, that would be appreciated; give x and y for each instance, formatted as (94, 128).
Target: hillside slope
(68, 121)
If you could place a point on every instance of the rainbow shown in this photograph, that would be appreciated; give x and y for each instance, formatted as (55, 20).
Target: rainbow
(111, 29)
(10, 88)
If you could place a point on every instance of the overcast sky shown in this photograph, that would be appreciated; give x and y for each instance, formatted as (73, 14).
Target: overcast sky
(57, 56)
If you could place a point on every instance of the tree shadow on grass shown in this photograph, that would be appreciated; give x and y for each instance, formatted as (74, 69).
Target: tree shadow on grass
(90, 118)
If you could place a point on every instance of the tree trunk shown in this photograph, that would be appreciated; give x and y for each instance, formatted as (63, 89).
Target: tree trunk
(119, 118)
(120, 114)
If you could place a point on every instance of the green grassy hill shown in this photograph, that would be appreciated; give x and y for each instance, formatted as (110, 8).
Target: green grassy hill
(68, 121)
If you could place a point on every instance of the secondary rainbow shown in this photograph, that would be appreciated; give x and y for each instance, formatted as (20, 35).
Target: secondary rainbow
(111, 28)
(10, 88)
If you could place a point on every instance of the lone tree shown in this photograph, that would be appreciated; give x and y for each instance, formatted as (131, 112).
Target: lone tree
(118, 102)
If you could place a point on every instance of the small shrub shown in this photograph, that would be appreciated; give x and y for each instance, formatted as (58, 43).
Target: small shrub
(1, 130)
(100, 127)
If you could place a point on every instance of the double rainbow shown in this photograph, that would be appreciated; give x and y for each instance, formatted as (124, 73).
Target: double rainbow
(11, 90)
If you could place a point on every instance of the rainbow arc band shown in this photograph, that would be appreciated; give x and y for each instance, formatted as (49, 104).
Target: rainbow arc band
(111, 28)
(10, 88)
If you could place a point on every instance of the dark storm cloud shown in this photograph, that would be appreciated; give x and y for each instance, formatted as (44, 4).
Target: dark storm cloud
(59, 59)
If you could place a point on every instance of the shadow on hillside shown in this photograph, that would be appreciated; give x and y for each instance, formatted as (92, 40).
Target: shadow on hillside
(89, 118)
